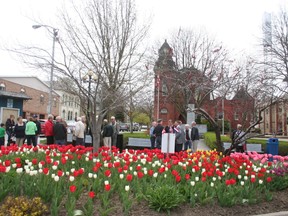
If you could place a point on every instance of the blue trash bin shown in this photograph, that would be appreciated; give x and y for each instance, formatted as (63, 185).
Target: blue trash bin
(272, 146)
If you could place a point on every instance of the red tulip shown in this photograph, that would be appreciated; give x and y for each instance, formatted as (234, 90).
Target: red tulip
(34, 161)
(129, 177)
(107, 173)
(60, 173)
(46, 170)
(107, 187)
(140, 175)
(91, 194)
(7, 163)
(73, 188)
(17, 160)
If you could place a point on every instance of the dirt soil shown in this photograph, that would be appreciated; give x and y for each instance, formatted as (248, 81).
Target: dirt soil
(279, 203)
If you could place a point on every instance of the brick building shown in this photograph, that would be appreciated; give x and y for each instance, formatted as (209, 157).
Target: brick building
(275, 119)
(37, 90)
(237, 110)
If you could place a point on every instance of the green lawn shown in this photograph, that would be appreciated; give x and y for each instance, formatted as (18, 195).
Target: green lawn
(142, 134)
(210, 140)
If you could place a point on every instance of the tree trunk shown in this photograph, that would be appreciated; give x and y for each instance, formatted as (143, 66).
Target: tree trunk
(219, 146)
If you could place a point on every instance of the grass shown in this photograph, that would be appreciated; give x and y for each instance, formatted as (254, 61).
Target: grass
(142, 134)
(210, 140)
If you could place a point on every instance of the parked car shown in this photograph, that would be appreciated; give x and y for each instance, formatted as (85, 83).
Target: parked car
(42, 122)
(136, 127)
(124, 126)
(144, 127)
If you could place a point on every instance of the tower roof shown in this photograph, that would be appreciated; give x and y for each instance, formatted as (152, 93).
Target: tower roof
(165, 56)
(241, 94)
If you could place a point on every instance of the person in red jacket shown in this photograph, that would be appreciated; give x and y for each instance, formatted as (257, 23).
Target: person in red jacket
(49, 126)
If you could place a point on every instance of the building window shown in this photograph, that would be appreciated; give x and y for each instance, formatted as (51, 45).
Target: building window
(54, 102)
(267, 125)
(220, 115)
(236, 116)
(267, 111)
(2, 87)
(64, 114)
(164, 89)
(42, 98)
(76, 115)
(10, 103)
(163, 111)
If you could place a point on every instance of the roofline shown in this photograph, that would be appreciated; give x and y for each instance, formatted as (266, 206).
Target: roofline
(3, 77)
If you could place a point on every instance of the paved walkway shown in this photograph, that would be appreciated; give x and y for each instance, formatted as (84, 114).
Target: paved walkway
(202, 145)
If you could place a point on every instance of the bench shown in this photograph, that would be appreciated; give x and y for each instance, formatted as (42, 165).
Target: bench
(138, 143)
(254, 148)
(249, 147)
(226, 145)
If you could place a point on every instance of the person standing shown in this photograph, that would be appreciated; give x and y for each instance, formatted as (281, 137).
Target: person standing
(152, 136)
(107, 133)
(116, 130)
(170, 127)
(179, 137)
(194, 136)
(2, 134)
(30, 132)
(158, 133)
(60, 132)
(38, 125)
(49, 130)
(19, 131)
(10, 123)
(238, 139)
(79, 132)
(188, 143)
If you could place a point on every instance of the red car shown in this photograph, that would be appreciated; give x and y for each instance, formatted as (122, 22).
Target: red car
(42, 122)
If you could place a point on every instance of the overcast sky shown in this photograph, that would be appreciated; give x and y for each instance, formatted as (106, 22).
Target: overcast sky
(237, 23)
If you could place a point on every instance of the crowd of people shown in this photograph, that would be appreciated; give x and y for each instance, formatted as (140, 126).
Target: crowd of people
(55, 131)
(185, 137)
(18, 131)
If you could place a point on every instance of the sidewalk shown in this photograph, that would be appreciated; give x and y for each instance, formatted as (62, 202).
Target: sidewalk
(282, 213)
(202, 146)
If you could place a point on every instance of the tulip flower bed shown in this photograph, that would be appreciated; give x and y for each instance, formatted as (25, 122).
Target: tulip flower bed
(71, 178)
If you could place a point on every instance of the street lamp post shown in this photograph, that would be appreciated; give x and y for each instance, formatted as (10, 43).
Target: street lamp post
(55, 34)
(89, 77)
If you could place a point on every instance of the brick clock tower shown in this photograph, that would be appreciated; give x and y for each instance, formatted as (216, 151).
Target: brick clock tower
(164, 70)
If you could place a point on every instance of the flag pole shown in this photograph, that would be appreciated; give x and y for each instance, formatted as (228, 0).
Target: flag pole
(158, 96)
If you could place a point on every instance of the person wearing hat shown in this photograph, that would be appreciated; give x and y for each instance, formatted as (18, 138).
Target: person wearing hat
(38, 125)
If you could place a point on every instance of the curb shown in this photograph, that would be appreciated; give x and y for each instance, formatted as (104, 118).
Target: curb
(282, 213)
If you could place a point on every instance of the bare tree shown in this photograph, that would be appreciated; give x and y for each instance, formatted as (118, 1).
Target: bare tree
(275, 43)
(101, 35)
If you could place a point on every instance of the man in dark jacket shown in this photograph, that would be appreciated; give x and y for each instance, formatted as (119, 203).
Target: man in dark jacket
(194, 136)
(38, 125)
(158, 133)
(10, 124)
(60, 132)
(107, 133)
